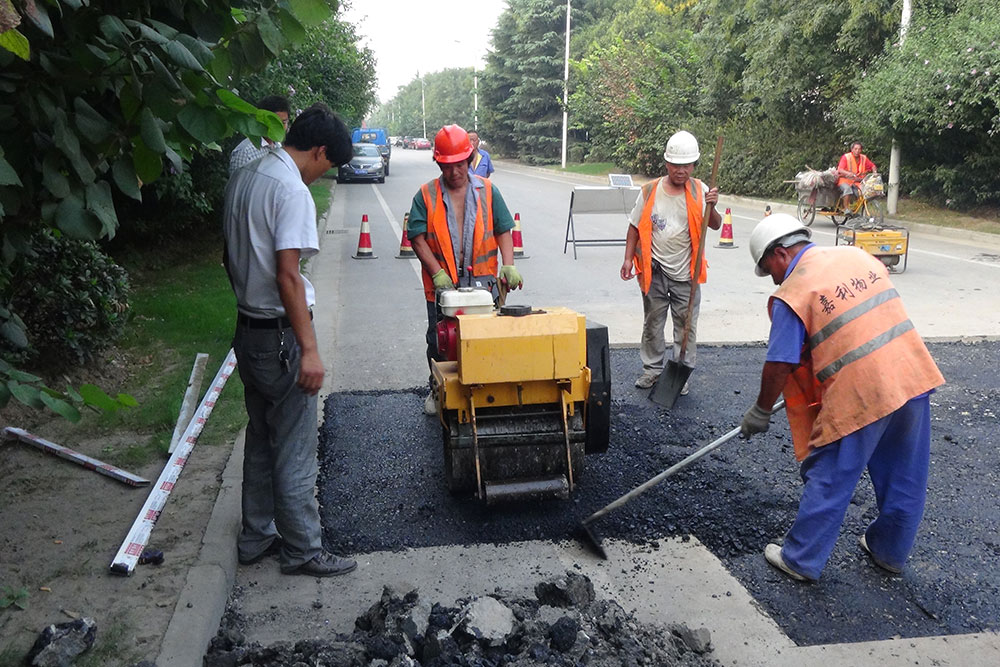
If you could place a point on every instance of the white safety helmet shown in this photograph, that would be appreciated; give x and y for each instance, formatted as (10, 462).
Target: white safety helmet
(775, 228)
(682, 148)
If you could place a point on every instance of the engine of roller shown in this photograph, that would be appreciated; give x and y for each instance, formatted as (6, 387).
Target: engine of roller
(523, 394)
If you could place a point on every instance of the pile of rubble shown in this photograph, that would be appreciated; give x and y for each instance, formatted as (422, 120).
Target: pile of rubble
(563, 625)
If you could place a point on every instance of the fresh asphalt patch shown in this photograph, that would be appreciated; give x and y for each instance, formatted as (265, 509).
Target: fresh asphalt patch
(382, 488)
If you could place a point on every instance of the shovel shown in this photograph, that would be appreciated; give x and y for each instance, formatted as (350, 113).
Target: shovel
(675, 374)
(589, 536)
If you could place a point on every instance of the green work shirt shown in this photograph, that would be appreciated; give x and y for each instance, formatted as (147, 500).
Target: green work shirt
(502, 219)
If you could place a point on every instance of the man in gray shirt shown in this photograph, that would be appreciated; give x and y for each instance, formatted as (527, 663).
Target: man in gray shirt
(270, 226)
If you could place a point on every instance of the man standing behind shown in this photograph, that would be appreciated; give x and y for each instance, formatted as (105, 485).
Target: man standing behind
(247, 151)
(852, 167)
(856, 378)
(456, 225)
(270, 226)
(665, 227)
(481, 164)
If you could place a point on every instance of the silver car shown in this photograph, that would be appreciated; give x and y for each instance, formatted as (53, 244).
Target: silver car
(365, 165)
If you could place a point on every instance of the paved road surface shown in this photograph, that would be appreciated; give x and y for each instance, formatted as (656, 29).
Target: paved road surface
(371, 320)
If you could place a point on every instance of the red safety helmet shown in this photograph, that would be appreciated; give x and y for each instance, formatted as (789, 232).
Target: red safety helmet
(451, 144)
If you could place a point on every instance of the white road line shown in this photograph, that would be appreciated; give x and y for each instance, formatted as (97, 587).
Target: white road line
(414, 263)
(912, 250)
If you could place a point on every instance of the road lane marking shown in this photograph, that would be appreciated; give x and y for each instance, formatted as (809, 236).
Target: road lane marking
(414, 263)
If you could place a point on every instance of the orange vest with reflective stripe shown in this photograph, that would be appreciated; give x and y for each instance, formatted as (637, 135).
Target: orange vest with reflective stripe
(862, 360)
(484, 244)
(643, 257)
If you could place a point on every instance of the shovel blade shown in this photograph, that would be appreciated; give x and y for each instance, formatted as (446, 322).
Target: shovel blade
(668, 386)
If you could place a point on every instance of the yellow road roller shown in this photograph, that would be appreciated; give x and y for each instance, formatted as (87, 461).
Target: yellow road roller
(523, 395)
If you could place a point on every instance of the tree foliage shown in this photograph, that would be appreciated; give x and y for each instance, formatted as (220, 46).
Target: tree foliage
(327, 66)
(448, 97)
(101, 97)
(939, 94)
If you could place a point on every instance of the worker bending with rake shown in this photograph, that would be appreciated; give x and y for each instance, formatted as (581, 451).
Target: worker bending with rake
(665, 229)
(856, 379)
(457, 223)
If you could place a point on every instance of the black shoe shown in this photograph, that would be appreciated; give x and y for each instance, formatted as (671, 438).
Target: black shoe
(273, 549)
(324, 565)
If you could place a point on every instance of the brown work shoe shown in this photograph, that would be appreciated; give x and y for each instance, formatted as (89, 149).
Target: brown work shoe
(325, 564)
(647, 379)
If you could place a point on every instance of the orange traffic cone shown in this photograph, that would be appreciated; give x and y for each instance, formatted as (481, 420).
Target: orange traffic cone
(365, 241)
(405, 249)
(726, 238)
(515, 237)
(767, 210)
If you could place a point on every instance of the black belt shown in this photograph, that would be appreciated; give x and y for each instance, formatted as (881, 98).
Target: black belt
(265, 323)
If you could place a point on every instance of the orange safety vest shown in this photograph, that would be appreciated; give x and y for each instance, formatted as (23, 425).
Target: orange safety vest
(484, 244)
(862, 359)
(643, 257)
(855, 165)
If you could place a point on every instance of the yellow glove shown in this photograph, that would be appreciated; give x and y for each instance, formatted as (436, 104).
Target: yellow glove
(510, 276)
(442, 280)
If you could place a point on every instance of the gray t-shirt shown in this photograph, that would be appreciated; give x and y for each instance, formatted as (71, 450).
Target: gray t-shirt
(268, 208)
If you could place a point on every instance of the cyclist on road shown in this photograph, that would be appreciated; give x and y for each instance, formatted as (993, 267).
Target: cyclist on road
(852, 168)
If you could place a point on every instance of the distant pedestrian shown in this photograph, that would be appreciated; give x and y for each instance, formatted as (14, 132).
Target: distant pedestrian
(481, 165)
(247, 151)
(270, 226)
(457, 224)
(856, 379)
(659, 249)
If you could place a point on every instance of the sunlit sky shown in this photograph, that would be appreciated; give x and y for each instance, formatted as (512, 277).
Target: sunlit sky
(410, 36)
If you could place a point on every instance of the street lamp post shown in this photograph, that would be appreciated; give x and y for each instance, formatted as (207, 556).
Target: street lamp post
(475, 99)
(565, 88)
(423, 107)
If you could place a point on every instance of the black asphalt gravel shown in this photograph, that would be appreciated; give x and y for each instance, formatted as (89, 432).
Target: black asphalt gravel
(382, 488)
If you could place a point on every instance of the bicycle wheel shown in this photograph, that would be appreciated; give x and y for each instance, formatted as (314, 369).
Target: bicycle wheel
(838, 217)
(806, 212)
(874, 211)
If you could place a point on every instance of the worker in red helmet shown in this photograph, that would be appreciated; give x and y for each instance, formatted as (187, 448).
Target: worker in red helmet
(457, 223)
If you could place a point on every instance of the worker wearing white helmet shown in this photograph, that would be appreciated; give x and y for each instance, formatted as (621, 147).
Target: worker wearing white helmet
(665, 225)
(856, 379)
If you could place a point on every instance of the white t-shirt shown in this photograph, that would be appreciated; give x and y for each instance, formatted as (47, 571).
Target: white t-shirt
(671, 236)
(268, 208)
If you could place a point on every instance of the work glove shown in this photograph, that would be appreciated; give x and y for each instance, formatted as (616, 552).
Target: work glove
(756, 420)
(442, 280)
(509, 275)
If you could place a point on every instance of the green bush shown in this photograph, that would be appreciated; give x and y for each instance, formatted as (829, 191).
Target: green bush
(72, 298)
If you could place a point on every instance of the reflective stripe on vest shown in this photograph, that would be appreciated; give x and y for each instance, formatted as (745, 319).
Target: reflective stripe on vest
(858, 365)
(484, 245)
(694, 199)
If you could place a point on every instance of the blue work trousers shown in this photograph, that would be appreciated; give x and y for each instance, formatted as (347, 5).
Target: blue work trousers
(279, 464)
(896, 451)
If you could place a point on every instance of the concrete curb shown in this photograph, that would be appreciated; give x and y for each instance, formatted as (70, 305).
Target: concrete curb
(202, 602)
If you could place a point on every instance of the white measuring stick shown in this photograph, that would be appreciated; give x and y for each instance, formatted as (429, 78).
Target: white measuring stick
(75, 456)
(190, 399)
(138, 535)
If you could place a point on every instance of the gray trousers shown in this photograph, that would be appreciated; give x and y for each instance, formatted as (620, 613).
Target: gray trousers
(666, 294)
(279, 465)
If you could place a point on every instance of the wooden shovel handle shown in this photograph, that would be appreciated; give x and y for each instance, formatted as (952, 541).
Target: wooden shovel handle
(699, 252)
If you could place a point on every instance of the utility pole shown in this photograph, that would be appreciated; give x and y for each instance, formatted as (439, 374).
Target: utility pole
(565, 88)
(892, 196)
(475, 99)
(423, 107)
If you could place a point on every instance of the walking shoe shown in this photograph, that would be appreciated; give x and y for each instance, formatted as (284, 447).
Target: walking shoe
(772, 552)
(647, 380)
(273, 549)
(684, 389)
(863, 541)
(431, 404)
(325, 564)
